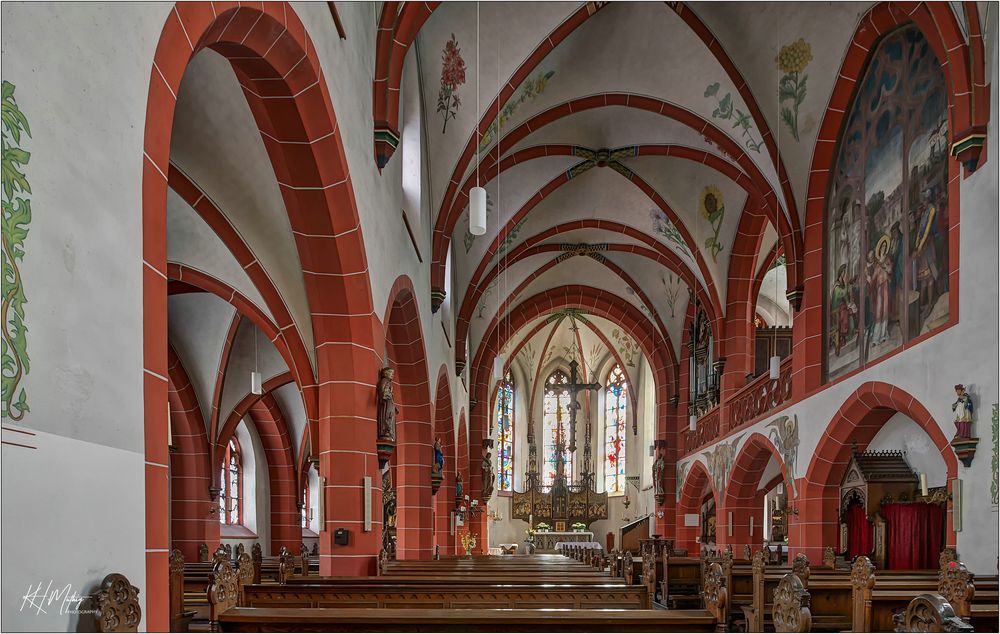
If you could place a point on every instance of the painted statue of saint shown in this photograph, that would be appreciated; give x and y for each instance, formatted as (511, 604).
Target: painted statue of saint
(386, 405)
(459, 487)
(963, 412)
(438, 467)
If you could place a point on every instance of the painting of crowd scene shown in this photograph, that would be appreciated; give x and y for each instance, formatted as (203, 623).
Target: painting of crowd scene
(886, 219)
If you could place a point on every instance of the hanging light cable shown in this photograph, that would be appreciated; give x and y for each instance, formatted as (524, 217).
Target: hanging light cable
(774, 363)
(477, 195)
(502, 305)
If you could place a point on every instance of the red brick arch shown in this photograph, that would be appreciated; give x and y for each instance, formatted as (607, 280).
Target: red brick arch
(657, 252)
(279, 70)
(854, 426)
(274, 433)
(743, 496)
(692, 496)
(191, 469)
(594, 301)
(444, 429)
(411, 461)
(936, 22)
(789, 230)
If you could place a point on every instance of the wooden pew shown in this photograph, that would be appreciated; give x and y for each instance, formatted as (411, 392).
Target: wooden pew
(116, 605)
(681, 586)
(930, 613)
(447, 596)
(180, 619)
(485, 620)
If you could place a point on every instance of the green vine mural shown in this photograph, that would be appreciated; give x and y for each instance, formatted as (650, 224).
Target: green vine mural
(16, 218)
(995, 485)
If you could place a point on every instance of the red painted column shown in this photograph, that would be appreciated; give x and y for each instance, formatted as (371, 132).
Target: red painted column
(444, 501)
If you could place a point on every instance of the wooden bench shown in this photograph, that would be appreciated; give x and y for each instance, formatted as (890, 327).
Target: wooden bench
(441, 596)
(485, 620)
(962, 602)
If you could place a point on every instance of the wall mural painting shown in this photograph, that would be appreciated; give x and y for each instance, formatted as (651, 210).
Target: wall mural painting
(713, 209)
(720, 461)
(672, 287)
(682, 469)
(509, 239)
(792, 60)
(995, 485)
(483, 302)
(665, 228)
(887, 215)
(784, 433)
(452, 76)
(726, 111)
(642, 305)
(529, 89)
(16, 218)
(628, 349)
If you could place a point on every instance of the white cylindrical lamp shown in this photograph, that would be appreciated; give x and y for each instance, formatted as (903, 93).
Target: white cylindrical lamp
(477, 211)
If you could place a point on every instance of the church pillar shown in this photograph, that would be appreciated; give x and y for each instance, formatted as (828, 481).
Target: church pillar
(347, 455)
(444, 500)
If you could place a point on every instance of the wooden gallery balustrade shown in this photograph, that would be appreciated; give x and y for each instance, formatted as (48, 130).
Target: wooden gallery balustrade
(754, 400)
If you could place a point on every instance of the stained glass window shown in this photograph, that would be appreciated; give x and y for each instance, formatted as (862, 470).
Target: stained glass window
(615, 415)
(231, 478)
(887, 209)
(505, 433)
(555, 429)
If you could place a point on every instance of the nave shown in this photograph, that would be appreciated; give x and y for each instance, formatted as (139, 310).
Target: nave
(454, 316)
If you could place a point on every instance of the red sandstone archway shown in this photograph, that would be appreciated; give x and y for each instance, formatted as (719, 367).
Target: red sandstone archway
(744, 494)
(697, 486)
(444, 499)
(598, 302)
(412, 459)
(854, 426)
(190, 467)
(278, 66)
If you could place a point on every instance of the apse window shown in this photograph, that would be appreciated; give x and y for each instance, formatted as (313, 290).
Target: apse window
(615, 415)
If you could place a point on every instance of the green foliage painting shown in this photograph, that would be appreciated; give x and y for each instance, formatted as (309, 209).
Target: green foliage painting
(16, 218)
(726, 111)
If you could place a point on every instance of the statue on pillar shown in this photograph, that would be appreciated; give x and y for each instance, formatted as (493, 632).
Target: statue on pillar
(487, 476)
(438, 467)
(386, 405)
(659, 471)
(459, 488)
(963, 412)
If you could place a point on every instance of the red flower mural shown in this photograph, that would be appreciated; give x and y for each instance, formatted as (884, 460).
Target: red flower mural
(452, 76)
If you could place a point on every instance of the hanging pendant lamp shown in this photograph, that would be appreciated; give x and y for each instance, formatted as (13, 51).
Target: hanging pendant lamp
(477, 211)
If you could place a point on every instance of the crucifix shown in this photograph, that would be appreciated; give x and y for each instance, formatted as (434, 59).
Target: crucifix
(573, 387)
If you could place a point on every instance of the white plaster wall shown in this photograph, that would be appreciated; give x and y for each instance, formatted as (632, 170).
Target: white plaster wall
(289, 399)
(81, 500)
(242, 362)
(82, 275)
(901, 433)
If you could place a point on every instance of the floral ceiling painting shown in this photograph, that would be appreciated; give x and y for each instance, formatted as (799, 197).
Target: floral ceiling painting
(452, 77)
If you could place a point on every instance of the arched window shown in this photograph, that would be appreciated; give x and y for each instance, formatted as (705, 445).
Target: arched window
(555, 428)
(231, 478)
(615, 414)
(505, 433)
(886, 221)
(306, 511)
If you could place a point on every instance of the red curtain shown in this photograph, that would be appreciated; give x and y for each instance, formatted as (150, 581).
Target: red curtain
(859, 532)
(914, 535)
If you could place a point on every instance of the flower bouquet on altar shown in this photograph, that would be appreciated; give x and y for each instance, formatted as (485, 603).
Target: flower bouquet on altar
(542, 527)
(578, 527)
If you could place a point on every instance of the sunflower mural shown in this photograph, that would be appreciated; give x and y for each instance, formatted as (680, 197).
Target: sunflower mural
(792, 61)
(712, 209)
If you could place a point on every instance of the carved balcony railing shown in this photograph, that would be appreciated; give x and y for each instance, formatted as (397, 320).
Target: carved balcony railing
(706, 430)
(761, 396)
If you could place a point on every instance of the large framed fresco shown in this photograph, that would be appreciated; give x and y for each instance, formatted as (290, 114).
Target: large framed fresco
(886, 222)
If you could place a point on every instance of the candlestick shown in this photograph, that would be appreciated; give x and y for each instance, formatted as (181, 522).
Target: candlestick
(923, 484)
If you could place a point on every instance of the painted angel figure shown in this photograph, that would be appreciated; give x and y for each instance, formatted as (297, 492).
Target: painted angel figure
(963, 412)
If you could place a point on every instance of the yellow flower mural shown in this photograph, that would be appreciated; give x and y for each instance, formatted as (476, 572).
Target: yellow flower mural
(792, 60)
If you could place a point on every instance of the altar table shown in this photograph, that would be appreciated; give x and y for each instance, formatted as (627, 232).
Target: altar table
(546, 542)
(560, 545)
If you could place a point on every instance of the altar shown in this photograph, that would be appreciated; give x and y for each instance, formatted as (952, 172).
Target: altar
(546, 542)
